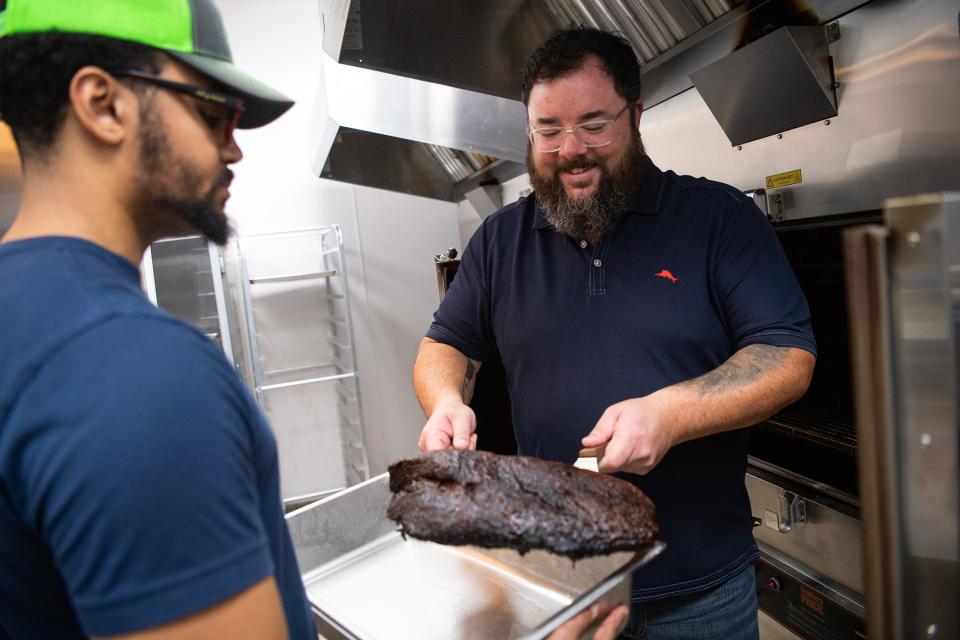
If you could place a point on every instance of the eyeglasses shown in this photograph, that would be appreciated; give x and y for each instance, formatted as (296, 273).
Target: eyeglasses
(595, 133)
(229, 108)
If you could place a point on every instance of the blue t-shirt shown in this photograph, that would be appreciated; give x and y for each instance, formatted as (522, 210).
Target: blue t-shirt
(692, 273)
(138, 479)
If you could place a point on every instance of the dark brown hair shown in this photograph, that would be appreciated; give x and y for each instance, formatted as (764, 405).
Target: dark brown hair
(35, 74)
(567, 49)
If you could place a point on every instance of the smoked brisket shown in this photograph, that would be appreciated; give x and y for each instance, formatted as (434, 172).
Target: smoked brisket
(488, 500)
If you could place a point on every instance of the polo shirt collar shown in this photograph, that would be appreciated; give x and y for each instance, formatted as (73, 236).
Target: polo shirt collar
(646, 201)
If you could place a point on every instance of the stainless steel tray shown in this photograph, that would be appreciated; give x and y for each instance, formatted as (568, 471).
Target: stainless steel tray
(365, 582)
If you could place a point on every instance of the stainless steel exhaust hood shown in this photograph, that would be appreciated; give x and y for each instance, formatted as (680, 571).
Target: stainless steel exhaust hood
(421, 96)
(398, 133)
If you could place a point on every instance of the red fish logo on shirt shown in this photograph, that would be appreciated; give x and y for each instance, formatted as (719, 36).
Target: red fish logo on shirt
(666, 275)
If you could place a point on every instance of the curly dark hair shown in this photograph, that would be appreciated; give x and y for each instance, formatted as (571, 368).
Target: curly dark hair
(35, 74)
(565, 51)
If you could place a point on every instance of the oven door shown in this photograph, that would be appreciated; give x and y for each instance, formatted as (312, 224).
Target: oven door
(904, 300)
(814, 441)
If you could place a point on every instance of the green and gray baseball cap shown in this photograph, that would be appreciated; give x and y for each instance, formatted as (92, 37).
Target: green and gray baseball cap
(189, 30)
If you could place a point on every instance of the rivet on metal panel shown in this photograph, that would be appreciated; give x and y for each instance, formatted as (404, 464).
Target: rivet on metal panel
(925, 441)
(913, 239)
(739, 147)
(779, 136)
(827, 122)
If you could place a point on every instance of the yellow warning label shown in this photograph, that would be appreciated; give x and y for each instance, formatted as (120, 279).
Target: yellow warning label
(784, 179)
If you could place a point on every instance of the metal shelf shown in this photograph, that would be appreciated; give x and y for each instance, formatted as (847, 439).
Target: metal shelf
(293, 277)
(331, 286)
(300, 383)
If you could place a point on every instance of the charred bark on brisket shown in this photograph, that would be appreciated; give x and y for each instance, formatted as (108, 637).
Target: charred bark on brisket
(489, 500)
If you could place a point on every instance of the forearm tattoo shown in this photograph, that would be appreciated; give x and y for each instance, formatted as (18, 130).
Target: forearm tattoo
(744, 367)
(467, 389)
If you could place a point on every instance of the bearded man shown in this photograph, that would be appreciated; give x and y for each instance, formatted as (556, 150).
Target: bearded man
(139, 488)
(637, 310)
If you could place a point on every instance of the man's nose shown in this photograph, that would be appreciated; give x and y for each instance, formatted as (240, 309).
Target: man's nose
(571, 146)
(231, 153)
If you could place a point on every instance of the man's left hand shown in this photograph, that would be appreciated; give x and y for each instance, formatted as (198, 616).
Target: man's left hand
(636, 434)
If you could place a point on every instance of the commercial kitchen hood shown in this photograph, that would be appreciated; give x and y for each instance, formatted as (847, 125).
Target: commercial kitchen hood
(423, 96)
(393, 132)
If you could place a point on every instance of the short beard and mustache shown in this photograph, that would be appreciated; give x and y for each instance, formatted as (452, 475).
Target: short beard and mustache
(592, 217)
(162, 208)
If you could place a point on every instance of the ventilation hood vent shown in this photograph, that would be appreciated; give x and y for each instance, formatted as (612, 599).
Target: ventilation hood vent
(781, 81)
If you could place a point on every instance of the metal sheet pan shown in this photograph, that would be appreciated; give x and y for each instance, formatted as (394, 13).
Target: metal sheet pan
(365, 582)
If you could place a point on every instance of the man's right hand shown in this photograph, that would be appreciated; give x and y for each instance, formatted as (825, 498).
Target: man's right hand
(451, 425)
(443, 379)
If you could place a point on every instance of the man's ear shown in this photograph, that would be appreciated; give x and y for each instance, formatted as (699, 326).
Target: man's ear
(103, 107)
(638, 109)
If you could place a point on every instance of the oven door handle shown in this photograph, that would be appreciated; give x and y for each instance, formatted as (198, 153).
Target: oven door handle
(793, 509)
(868, 303)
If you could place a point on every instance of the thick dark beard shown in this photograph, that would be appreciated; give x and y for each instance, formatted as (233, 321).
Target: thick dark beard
(592, 217)
(161, 211)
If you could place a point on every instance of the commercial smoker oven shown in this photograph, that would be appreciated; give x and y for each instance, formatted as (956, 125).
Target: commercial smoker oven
(802, 473)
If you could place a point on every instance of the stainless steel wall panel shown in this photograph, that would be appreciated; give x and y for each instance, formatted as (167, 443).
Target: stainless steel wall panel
(897, 133)
(925, 298)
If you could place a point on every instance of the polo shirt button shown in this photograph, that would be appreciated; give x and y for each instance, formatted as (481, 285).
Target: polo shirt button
(597, 262)
(583, 244)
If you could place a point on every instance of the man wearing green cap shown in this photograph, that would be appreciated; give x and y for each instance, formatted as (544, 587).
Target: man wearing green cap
(139, 490)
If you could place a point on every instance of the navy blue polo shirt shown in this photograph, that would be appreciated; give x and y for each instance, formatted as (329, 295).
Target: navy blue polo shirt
(139, 481)
(692, 273)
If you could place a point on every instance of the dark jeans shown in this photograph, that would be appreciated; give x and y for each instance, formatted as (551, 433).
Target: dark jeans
(727, 612)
